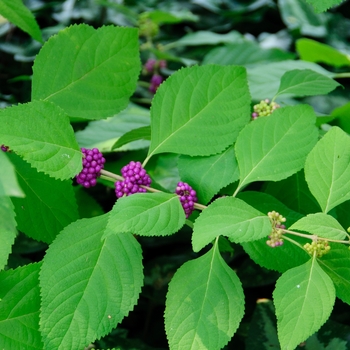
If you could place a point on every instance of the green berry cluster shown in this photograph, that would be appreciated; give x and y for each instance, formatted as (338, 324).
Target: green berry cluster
(264, 108)
(320, 247)
(275, 237)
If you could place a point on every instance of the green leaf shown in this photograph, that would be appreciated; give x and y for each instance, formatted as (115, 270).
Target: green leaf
(90, 73)
(88, 285)
(147, 214)
(199, 111)
(48, 206)
(263, 148)
(264, 79)
(205, 304)
(207, 175)
(314, 51)
(142, 133)
(246, 53)
(40, 132)
(305, 83)
(18, 14)
(19, 312)
(304, 299)
(8, 230)
(230, 217)
(8, 181)
(323, 5)
(327, 169)
(336, 263)
(320, 224)
(103, 134)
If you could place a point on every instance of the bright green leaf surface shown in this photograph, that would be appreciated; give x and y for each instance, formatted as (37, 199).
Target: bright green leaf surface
(19, 15)
(199, 111)
(323, 5)
(147, 214)
(8, 230)
(40, 132)
(263, 148)
(19, 311)
(305, 83)
(103, 134)
(327, 169)
(264, 79)
(304, 299)
(8, 180)
(336, 264)
(205, 304)
(320, 224)
(314, 51)
(89, 73)
(230, 217)
(207, 175)
(88, 285)
(142, 133)
(48, 206)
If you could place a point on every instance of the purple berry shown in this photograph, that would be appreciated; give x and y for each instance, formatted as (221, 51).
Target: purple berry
(93, 162)
(187, 196)
(127, 188)
(4, 148)
(156, 80)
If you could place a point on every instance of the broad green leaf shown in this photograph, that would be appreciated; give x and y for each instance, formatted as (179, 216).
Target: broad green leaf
(199, 111)
(142, 133)
(297, 14)
(246, 53)
(323, 5)
(40, 132)
(20, 306)
(230, 217)
(202, 37)
(207, 175)
(336, 264)
(205, 304)
(320, 224)
(48, 206)
(163, 17)
(88, 285)
(279, 258)
(304, 297)
(264, 79)
(88, 207)
(8, 180)
(262, 332)
(90, 73)
(103, 134)
(285, 191)
(19, 15)
(314, 51)
(341, 117)
(263, 148)
(327, 169)
(305, 83)
(146, 214)
(8, 230)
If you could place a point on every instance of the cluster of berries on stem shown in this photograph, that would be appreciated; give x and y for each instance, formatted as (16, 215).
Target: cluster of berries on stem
(275, 237)
(187, 196)
(134, 176)
(321, 247)
(93, 163)
(264, 108)
(152, 66)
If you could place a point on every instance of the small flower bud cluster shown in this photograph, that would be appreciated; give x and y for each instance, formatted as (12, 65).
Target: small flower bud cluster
(187, 196)
(152, 65)
(275, 237)
(264, 108)
(320, 247)
(156, 80)
(4, 148)
(93, 162)
(134, 177)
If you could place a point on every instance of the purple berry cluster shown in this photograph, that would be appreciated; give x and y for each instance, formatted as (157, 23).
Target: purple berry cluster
(152, 66)
(156, 80)
(93, 162)
(134, 176)
(4, 148)
(187, 196)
